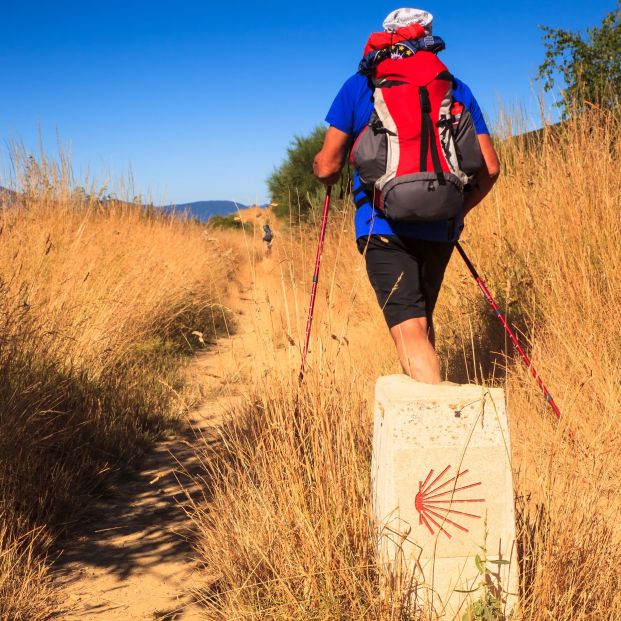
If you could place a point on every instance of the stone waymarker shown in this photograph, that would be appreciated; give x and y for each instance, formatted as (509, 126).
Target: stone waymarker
(443, 493)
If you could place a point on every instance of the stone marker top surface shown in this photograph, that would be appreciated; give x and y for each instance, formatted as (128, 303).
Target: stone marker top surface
(399, 388)
(442, 414)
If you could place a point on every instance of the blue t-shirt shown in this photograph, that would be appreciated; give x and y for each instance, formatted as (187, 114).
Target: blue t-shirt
(350, 112)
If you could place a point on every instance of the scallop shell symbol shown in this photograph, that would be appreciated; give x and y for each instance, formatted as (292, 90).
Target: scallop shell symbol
(436, 499)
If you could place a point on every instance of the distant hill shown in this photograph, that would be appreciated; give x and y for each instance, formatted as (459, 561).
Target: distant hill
(203, 210)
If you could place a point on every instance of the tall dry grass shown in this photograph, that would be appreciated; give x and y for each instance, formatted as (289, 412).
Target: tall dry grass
(285, 527)
(98, 302)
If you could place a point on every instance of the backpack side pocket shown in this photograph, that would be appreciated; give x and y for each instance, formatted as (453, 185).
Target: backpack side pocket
(467, 145)
(370, 152)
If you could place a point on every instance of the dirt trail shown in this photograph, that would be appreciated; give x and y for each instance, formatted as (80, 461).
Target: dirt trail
(133, 559)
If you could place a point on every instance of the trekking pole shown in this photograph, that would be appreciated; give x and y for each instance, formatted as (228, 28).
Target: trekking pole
(311, 306)
(508, 330)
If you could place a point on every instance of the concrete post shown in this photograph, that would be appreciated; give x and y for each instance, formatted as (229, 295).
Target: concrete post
(443, 496)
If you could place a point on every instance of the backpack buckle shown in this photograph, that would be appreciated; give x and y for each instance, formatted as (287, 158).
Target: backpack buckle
(377, 127)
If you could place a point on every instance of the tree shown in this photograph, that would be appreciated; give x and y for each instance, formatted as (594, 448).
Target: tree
(590, 67)
(293, 185)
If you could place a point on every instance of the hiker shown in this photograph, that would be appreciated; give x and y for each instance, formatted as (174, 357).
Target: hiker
(423, 158)
(267, 239)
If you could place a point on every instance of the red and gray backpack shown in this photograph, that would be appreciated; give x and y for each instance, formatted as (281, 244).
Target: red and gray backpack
(420, 147)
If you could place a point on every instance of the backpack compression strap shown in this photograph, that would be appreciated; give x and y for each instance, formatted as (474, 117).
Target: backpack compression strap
(427, 137)
(428, 142)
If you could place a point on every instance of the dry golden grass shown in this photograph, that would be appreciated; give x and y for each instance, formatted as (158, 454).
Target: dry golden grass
(285, 532)
(98, 303)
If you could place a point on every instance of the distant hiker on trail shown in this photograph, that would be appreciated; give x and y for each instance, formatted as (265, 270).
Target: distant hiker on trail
(423, 159)
(267, 239)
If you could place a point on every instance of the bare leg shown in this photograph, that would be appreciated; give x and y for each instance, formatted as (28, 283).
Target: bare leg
(417, 355)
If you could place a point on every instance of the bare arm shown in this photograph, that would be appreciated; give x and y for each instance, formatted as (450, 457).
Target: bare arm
(486, 177)
(329, 161)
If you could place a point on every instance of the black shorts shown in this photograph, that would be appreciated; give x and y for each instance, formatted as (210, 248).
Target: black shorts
(406, 274)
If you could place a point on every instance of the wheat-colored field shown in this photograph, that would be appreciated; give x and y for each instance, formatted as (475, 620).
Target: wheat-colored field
(286, 534)
(98, 305)
(99, 302)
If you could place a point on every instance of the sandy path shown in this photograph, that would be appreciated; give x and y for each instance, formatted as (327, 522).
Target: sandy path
(133, 558)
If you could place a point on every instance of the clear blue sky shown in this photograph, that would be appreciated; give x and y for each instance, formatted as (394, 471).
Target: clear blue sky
(202, 98)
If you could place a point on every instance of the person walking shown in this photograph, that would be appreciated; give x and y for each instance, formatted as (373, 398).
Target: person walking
(407, 225)
(268, 237)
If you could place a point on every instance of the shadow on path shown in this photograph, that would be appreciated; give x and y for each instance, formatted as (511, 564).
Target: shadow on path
(139, 538)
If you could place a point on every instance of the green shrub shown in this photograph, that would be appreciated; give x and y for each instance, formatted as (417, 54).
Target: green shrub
(228, 222)
(293, 185)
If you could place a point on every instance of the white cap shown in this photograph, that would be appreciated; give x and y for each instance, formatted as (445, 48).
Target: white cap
(406, 17)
